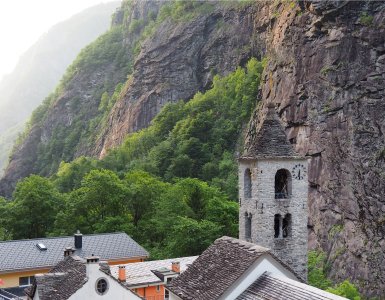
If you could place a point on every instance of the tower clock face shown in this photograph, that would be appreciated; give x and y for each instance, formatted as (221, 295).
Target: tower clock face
(298, 171)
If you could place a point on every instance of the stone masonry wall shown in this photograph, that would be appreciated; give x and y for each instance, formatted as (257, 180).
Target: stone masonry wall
(263, 206)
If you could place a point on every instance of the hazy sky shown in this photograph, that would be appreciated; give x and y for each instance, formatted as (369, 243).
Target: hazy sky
(22, 22)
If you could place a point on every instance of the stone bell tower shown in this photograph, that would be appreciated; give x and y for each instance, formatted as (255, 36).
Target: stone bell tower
(273, 193)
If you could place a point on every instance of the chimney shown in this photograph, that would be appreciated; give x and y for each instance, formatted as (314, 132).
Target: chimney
(103, 266)
(68, 251)
(78, 240)
(122, 274)
(92, 259)
(175, 266)
(92, 265)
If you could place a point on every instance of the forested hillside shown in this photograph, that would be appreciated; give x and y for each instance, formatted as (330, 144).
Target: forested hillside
(171, 186)
(41, 67)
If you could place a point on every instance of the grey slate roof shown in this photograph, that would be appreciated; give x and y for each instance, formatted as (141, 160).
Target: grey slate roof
(62, 281)
(270, 139)
(23, 254)
(269, 286)
(141, 273)
(216, 269)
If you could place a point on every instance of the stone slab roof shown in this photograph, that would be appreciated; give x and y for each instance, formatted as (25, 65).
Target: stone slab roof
(270, 139)
(141, 273)
(215, 270)
(270, 287)
(62, 281)
(24, 254)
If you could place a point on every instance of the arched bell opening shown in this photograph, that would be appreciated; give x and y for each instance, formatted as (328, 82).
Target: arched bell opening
(282, 184)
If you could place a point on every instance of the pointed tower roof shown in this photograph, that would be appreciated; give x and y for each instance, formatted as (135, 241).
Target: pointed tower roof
(270, 140)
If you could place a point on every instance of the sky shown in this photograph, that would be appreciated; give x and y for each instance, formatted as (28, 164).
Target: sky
(22, 22)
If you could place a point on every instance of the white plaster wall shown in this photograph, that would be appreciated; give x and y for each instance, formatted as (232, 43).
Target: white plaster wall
(173, 297)
(115, 290)
(265, 263)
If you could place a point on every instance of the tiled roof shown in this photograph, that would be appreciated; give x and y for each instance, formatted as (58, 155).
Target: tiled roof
(270, 140)
(62, 281)
(216, 269)
(141, 272)
(274, 287)
(24, 254)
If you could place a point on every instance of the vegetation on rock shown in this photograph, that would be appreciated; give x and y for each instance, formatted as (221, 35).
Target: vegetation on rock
(170, 186)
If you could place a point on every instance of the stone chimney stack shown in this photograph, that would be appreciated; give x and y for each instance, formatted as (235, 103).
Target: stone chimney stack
(175, 266)
(122, 273)
(78, 240)
(68, 251)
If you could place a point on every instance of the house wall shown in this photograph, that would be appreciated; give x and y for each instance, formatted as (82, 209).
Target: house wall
(151, 293)
(174, 297)
(115, 290)
(266, 263)
(263, 206)
(12, 279)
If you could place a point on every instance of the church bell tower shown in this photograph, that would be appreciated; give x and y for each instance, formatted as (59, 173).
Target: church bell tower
(273, 193)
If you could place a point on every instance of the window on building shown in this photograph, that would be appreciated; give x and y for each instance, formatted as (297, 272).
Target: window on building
(282, 184)
(101, 286)
(286, 226)
(158, 288)
(248, 217)
(247, 184)
(27, 280)
(282, 226)
(277, 226)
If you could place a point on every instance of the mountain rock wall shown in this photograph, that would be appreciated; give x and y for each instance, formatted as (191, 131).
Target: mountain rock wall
(179, 61)
(326, 75)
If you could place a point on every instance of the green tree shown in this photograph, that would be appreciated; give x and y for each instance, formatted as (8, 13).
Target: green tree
(224, 213)
(143, 192)
(316, 270)
(4, 219)
(191, 237)
(101, 196)
(35, 204)
(346, 289)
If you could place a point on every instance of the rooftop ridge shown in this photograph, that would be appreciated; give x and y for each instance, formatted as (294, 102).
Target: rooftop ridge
(60, 237)
(244, 245)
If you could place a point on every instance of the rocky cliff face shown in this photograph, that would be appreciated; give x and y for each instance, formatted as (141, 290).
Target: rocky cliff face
(325, 75)
(41, 67)
(179, 61)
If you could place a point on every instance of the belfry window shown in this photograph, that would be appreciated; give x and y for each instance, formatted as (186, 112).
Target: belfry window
(247, 184)
(282, 226)
(248, 217)
(282, 184)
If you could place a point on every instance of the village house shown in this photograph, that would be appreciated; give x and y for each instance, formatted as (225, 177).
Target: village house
(20, 260)
(234, 269)
(148, 278)
(75, 278)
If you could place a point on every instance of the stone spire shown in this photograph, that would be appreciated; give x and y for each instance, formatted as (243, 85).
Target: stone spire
(270, 140)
